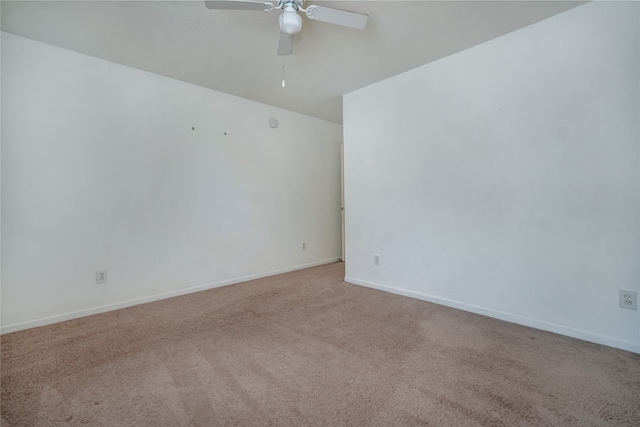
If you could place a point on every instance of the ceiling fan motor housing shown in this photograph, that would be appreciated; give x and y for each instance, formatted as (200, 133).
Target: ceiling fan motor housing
(297, 4)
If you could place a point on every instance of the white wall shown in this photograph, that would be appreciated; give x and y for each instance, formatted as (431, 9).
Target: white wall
(504, 179)
(101, 170)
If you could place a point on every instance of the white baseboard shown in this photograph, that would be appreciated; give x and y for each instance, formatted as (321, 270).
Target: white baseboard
(116, 306)
(509, 317)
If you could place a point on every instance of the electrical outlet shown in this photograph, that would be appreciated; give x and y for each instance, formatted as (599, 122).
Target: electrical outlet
(101, 276)
(376, 259)
(629, 299)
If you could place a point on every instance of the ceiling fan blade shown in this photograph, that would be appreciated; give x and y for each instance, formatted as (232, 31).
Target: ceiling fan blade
(285, 45)
(239, 5)
(338, 17)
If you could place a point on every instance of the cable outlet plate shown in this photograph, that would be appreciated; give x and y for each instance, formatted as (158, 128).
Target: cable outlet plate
(629, 299)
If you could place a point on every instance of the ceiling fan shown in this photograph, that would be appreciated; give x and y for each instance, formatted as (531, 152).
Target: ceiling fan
(290, 21)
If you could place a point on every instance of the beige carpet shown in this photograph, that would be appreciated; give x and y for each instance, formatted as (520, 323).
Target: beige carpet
(305, 348)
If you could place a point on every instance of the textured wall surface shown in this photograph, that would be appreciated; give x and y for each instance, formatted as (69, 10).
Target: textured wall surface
(504, 179)
(168, 186)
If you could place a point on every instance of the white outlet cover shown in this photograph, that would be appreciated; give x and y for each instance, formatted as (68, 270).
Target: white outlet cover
(629, 299)
(101, 276)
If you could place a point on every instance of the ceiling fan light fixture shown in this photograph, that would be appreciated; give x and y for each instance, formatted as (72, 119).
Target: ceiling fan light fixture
(291, 19)
(290, 22)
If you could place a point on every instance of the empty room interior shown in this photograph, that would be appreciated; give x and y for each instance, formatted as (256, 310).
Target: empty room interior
(320, 213)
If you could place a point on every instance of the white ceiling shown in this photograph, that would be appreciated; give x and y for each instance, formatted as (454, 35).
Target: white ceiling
(235, 51)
